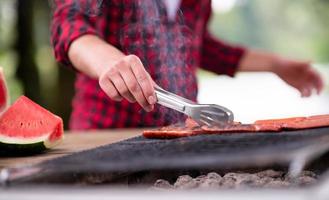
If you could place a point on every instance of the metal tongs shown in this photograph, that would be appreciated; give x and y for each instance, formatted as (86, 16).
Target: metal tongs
(205, 114)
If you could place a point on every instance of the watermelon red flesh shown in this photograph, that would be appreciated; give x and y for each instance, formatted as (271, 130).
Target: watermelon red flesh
(25, 122)
(3, 92)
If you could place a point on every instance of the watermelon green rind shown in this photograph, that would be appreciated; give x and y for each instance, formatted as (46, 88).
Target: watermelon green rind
(18, 140)
(7, 149)
(23, 141)
(22, 146)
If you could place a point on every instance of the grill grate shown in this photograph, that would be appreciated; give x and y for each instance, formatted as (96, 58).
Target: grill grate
(197, 152)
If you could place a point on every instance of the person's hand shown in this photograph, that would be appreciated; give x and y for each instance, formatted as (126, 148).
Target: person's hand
(299, 75)
(119, 76)
(127, 78)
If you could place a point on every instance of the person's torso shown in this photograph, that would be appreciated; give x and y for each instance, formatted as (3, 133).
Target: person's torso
(169, 50)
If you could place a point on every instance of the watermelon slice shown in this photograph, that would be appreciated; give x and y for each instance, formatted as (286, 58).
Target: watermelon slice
(3, 92)
(26, 127)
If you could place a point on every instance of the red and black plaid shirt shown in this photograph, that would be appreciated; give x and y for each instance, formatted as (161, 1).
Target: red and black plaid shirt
(171, 51)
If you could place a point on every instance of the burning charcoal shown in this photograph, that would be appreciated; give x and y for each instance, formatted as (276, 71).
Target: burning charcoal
(308, 173)
(270, 173)
(241, 177)
(210, 183)
(228, 183)
(200, 178)
(229, 180)
(277, 184)
(163, 184)
(213, 175)
(185, 182)
(305, 180)
(289, 178)
(245, 179)
(301, 180)
(264, 180)
(212, 180)
(231, 175)
(260, 182)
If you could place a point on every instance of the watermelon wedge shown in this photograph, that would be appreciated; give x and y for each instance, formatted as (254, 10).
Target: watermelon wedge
(3, 92)
(26, 127)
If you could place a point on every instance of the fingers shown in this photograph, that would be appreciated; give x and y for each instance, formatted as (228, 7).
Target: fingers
(306, 91)
(144, 80)
(317, 81)
(121, 87)
(302, 76)
(312, 81)
(128, 79)
(133, 83)
(108, 87)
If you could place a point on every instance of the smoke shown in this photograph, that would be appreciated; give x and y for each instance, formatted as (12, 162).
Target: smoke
(167, 41)
(90, 8)
(162, 43)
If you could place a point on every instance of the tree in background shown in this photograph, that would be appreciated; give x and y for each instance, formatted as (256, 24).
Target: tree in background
(27, 56)
(298, 28)
(26, 70)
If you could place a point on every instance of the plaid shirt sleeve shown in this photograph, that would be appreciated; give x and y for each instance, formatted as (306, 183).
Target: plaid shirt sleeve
(69, 23)
(218, 56)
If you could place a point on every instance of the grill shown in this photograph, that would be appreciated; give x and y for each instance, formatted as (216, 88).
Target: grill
(289, 149)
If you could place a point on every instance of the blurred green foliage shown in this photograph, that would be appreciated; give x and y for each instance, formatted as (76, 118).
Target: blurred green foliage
(43, 53)
(297, 28)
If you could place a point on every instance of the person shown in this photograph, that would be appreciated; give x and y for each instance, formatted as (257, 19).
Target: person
(121, 51)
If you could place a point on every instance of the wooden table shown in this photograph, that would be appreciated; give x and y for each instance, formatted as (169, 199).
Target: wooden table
(74, 142)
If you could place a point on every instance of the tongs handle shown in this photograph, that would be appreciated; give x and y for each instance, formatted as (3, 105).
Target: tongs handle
(171, 100)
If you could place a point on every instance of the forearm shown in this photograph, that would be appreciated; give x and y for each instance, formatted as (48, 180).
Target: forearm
(89, 54)
(220, 57)
(255, 61)
(299, 74)
(119, 76)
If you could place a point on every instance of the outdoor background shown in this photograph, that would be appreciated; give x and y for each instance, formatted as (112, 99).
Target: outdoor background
(295, 28)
